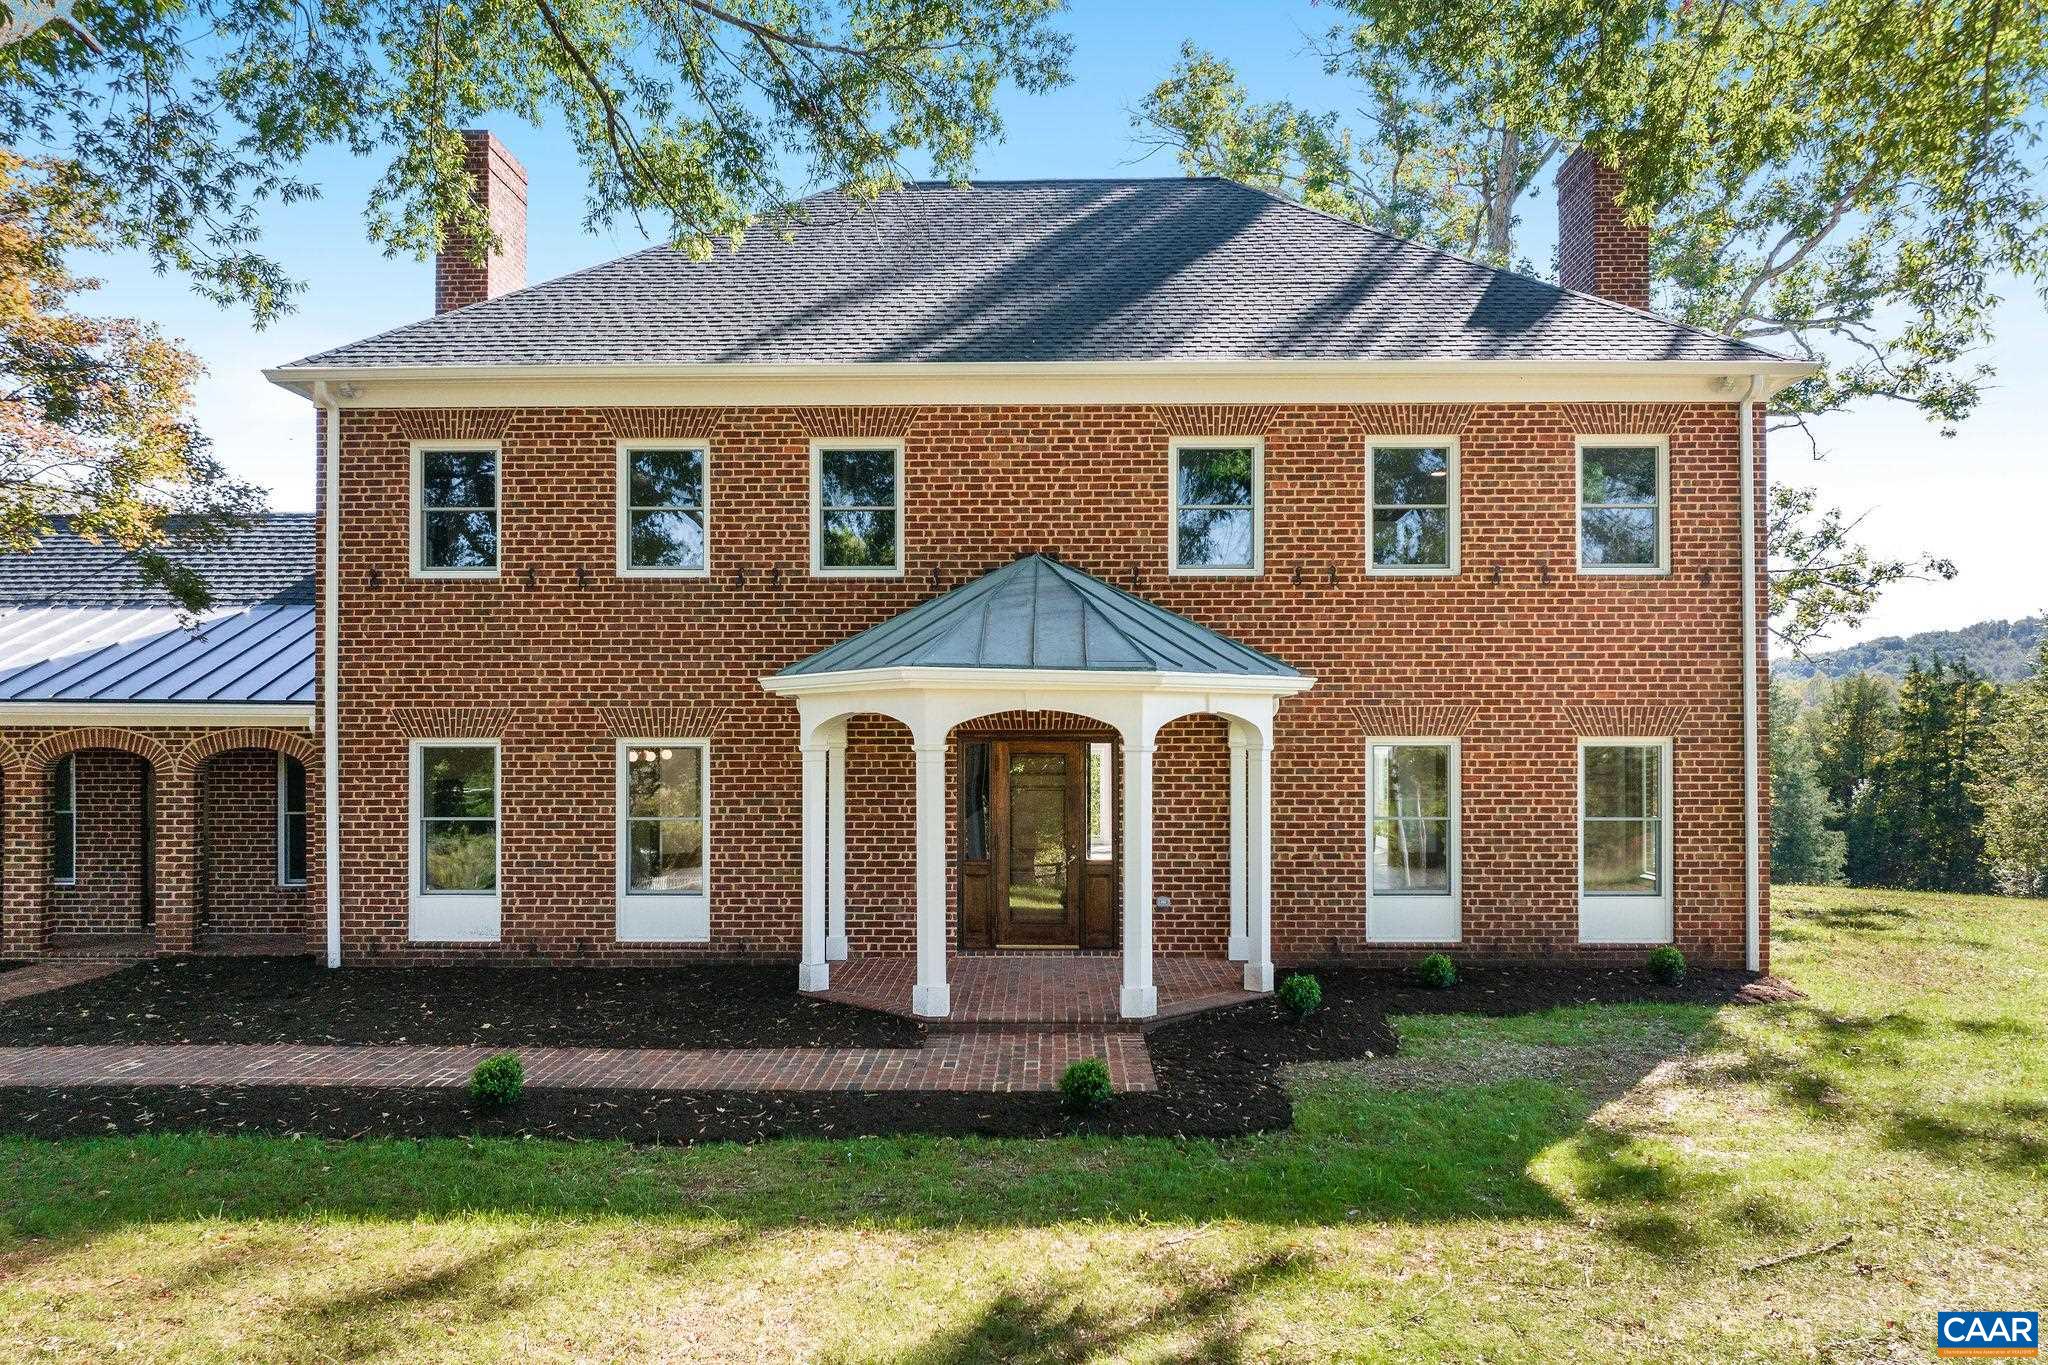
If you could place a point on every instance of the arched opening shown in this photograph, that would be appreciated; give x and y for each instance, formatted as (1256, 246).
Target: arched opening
(253, 854)
(99, 871)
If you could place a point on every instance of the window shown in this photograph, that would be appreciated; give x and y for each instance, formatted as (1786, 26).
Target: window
(455, 504)
(64, 821)
(1622, 526)
(1624, 841)
(455, 840)
(1412, 882)
(1101, 802)
(663, 513)
(1216, 505)
(1414, 506)
(664, 850)
(857, 508)
(291, 821)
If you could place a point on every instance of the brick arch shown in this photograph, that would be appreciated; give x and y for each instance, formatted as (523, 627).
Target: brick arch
(53, 747)
(248, 737)
(10, 756)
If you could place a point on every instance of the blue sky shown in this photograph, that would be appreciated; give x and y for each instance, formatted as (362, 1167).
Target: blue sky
(1974, 498)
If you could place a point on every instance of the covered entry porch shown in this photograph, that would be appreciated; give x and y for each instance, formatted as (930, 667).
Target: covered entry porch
(1036, 636)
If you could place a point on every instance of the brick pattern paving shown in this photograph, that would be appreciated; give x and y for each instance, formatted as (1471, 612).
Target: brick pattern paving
(980, 1062)
(1042, 990)
(23, 982)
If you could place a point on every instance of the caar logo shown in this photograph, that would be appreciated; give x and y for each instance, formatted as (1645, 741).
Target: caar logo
(1987, 1334)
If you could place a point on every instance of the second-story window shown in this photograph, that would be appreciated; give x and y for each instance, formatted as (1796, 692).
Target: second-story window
(1622, 526)
(456, 501)
(663, 515)
(857, 507)
(1414, 506)
(1216, 507)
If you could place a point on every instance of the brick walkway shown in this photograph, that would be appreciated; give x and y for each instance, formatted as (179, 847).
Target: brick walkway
(961, 1061)
(1043, 990)
(38, 977)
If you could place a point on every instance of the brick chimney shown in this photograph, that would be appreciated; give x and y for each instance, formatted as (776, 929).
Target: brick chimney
(500, 186)
(1598, 250)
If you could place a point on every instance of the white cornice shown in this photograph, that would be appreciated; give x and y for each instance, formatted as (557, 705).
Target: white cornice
(289, 714)
(1034, 679)
(1376, 381)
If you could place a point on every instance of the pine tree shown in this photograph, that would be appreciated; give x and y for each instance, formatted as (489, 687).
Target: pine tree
(1924, 823)
(2013, 787)
(1852, 730)
(1803, 847)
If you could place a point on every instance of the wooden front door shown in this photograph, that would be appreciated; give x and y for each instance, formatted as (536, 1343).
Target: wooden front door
(1037, 856)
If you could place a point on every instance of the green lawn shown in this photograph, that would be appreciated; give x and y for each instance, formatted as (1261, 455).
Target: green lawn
(1593, 1182)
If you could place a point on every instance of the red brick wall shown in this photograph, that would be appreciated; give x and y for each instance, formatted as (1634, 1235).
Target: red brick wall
(559, 657)
(500, 185)
(107, 898)
(239, 890)
(1599, 251)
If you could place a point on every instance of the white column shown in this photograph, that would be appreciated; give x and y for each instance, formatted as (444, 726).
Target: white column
(1258, 857)
(812, 974)
(1140, 997)
(835, 850)
(1240, 935)
(929, 998)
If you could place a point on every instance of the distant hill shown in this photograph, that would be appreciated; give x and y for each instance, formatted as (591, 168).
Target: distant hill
(2004, 651)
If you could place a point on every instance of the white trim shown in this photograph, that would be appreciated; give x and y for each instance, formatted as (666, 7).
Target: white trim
(1617, 917)
(330, 677)
(1752, 856)
(1175, 447)
(1454, 506)
(416, 554)
(284, 876)
(654, 916)
(1662, 568)
(819, 446)
(68, 765)
(1418, 916)
(292, 714)
(622, 511)
(453, 916)
(1036, 679)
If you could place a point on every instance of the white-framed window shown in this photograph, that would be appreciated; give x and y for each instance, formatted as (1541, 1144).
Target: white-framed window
(1413, 834)
(664, 841)
(1624, 504)
(1412, 489)
(664, 509)
(1625, 841)
(291, 821)
(455, 855)
(1218, 505)
(455, 508)
(857, 508)
(64, 821)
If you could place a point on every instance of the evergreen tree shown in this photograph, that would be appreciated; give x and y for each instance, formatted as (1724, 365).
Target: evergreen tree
(1921, 817)
(2013, 787)
(1852, 729)
(1803, 846)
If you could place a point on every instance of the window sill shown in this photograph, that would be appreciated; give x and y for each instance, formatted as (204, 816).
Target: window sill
(1411, 571)
(627, 571)
(662, 919)
(1248, 571)
(482, 574)
(1624, 571)
(820, 572)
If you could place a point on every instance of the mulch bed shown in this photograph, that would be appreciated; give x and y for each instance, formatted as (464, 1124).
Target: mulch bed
(1218, 1073)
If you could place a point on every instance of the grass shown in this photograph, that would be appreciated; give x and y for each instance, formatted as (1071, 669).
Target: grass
(1593, 1183)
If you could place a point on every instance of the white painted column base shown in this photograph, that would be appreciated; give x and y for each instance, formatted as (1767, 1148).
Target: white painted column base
(813, 976)
(1240, 949)
(931, 1002)
(1258, 976)
(1140, 1002)
(835, 947)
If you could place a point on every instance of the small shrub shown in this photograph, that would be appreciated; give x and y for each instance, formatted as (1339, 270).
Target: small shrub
(1667, 965)
(497, 1081)
(1436, 972)
(1086, 1084)
(1301, 995)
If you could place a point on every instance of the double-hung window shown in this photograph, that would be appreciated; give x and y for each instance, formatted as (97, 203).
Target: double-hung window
(1413, 881)
(1624, 522)
(1414, 506)
(664, 842)
(857, 508)
(1217, 506)
(455, 872)
(455, 509)
(1625, 841)
(664, 510)
(291, 821)
(64, 821)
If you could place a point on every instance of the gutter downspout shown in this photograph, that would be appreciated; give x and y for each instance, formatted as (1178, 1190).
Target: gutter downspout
(330, 668)
(1752, 861)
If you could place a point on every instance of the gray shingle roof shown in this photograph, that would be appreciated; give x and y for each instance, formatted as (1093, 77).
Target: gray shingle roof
(268, 561)
(1044, 270)
(1042, 614)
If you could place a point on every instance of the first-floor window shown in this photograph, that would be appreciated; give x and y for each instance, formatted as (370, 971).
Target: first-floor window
(458, 818)
(291, 821)
(64, 821)
(1624, 841)
(664, 848)
(1412, 891)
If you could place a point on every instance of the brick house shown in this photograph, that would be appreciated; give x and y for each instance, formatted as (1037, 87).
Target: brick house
(1140, 567)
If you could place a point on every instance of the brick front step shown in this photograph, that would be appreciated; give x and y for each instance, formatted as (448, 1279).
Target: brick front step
(1036, 993)
(976, 1062)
